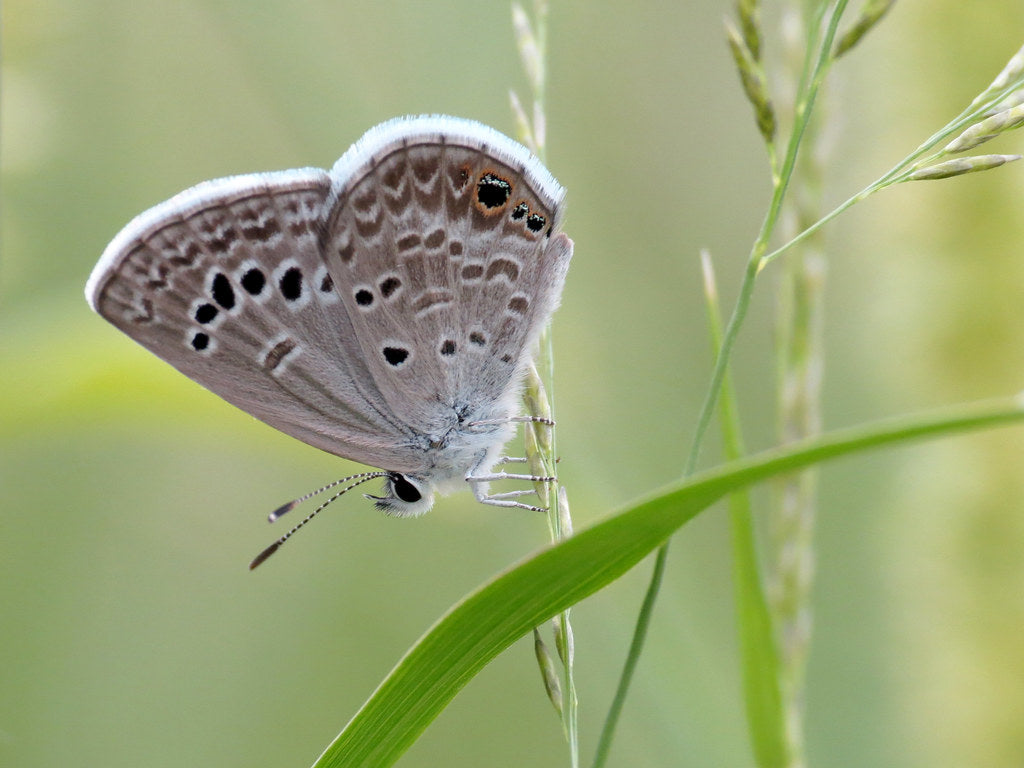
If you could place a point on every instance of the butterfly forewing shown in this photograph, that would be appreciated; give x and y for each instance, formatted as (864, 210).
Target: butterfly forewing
(226, 283)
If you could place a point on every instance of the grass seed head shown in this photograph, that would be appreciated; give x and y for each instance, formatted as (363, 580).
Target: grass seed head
(529, 50)
(749, 12)
(548, 671)
(960, 166)
(870, 14)
(754, 82)
(987, 129)
(1012, 71)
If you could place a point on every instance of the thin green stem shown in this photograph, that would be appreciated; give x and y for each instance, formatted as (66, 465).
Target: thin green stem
(721, 369)
(804, 109)
(534, 56)
(768, 258)
(604, 744)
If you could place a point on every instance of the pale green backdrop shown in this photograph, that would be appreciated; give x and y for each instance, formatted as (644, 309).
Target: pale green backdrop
(131, 633)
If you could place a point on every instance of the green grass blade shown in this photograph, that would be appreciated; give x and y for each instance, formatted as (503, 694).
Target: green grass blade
(490, 619)
(759, 657)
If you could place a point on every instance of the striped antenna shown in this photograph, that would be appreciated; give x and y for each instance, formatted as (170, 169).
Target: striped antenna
(360, 478)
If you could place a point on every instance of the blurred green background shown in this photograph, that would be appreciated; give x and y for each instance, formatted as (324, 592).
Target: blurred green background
(132, 500)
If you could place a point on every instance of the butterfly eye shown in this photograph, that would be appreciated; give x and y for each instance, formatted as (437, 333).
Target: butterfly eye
(404, 490)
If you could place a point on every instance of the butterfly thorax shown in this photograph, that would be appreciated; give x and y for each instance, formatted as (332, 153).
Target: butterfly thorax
(462, 445)
(458, 451)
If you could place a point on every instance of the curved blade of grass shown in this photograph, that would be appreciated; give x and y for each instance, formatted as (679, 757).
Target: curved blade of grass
(490, 619)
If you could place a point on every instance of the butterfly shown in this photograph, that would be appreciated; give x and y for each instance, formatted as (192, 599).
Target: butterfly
(384, 311)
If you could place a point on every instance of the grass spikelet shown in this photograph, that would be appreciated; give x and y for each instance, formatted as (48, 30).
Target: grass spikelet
(754, 83)
(987, 129)
(960, 166)
(870, 15)
(1014, 69)
(749, 12)
(529, 50)
(1011, 101)
(1010, 74)
(548, 671)
(564, 518)
(536, 399)
(537, 436)
(523, 128)
(564, 643)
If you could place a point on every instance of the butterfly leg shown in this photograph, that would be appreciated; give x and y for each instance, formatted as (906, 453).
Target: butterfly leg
(508, 476)
(506, 499)
(511, 460)
(517, 419)
(511, 494)
(478, 482)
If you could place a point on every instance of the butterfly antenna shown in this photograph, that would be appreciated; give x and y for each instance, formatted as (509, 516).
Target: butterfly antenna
(285, 508)
(359, 480)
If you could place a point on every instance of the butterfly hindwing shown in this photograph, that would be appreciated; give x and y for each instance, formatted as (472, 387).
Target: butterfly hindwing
(443, 251)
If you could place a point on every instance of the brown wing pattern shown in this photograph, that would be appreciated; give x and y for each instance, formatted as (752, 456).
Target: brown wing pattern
(446, 259)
